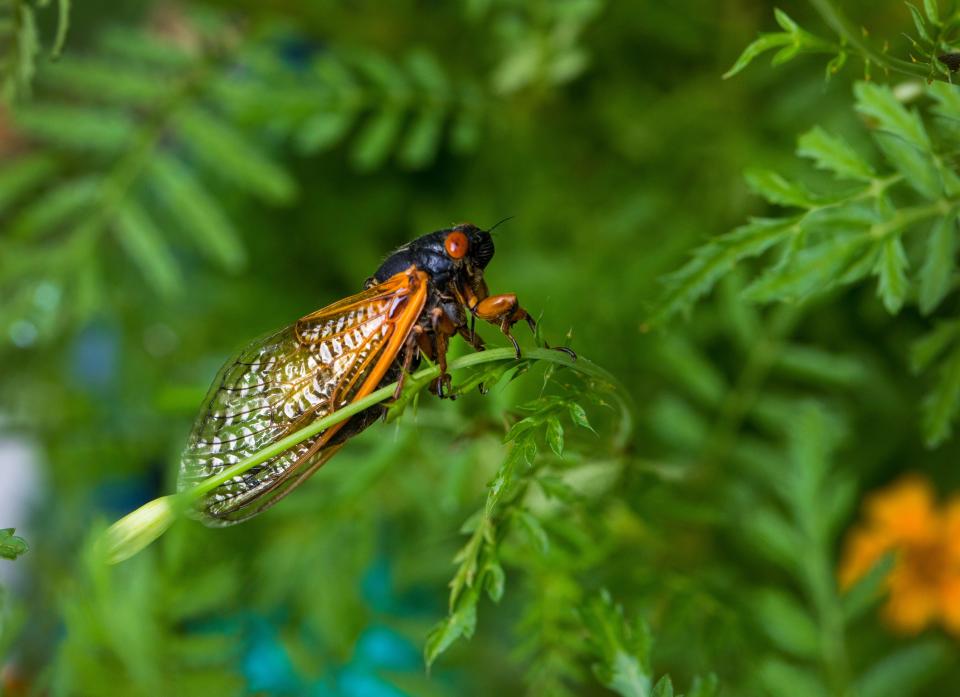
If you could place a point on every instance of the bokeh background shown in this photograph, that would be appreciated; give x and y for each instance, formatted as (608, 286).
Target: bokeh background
(188, 176)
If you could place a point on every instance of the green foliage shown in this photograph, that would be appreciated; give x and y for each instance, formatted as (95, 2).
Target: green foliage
(11, 546)
(179, 182)
(898, 224)
(19, 36)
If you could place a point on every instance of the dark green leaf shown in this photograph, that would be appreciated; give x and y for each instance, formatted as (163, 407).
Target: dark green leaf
(905, 671)
(892, 271)
(938, 266)
(144, 243)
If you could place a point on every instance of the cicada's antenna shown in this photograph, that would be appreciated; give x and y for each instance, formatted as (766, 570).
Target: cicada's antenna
(499, 222)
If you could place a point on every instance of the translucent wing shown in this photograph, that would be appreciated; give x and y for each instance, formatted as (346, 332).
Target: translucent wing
(280, 383)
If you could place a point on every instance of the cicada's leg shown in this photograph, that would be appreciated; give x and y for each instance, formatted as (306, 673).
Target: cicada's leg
(443, 327)
(410, 349)
(504, 311)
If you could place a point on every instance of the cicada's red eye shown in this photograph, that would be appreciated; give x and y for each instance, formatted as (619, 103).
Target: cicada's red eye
(456, 245)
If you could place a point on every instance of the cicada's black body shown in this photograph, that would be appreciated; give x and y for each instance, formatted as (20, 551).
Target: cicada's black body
(423, 294)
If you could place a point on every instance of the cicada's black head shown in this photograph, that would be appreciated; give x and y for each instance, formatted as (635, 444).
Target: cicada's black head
(454, 254)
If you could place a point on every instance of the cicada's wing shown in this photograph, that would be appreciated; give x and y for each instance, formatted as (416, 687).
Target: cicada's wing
(280, 383)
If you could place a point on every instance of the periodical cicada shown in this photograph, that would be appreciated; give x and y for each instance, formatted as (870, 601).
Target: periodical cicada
(422, 295)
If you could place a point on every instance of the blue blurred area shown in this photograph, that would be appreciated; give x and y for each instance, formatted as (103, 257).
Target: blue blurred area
(268, 667)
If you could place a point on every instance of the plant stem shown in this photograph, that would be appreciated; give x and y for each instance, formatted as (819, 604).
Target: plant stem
(849, 34)
(419, 378)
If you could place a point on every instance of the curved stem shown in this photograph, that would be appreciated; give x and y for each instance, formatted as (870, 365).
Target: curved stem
(846, 31)
(420, 378)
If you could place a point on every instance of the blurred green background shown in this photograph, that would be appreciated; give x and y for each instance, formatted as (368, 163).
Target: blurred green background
(188, 176)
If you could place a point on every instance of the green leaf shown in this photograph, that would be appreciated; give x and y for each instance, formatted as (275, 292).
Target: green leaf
(812, 270)
(941, 405)
(579, 416)
(19, 176)
(324, 130)
(918, 22)
(787, 623)
(782, 678)
(879, 103)
(917, 167)
(933, 13)
(62, 205)
(834, 154)
(11, 546)
(622, 647)
(905, 671)
(494, 580)
(198, 212)
(462, 622)
(705, 687)
(938, 266)
(106, 81)
(372, 146)
(534, 530)
(422, 140)
(931, 345)
(144, 243)
(228, 153)
(711, 261)
(76, 127)
(663, 688)
(778, 190)
(764, 43)
(555, 435)
(892, 271)
(773, 537)
(867, 591)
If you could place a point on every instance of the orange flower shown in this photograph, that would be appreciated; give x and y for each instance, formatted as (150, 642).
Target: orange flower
(924, 585)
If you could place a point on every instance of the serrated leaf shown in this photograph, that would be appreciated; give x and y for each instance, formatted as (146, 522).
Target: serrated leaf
(938, 265)
(622, 647)
(916, 166)
(198, 211)
(663, 688)
(812, 270)
(12, 546)
(776, 189)
(578, 415)
(786, 623)
(462, 622)
(494, 580)
(555, 435)
(834, 154)
(905, 671)
(878, 102)
(143, 242)
(533, 529)
(892, 272)
(232, 156)
(714, 259)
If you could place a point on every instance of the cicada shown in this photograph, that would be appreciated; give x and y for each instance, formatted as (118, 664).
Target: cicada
(425, 293)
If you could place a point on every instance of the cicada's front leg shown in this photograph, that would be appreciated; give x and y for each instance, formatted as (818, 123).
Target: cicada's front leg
(504, 311)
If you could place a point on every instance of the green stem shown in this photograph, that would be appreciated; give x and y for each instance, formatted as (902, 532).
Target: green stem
(846, 31)
(421, 377)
